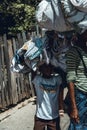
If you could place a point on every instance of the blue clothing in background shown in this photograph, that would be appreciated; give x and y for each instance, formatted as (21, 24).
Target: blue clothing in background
(81, 101)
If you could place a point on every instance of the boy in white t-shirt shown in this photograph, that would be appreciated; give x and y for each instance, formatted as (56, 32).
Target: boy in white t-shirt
(47, 91)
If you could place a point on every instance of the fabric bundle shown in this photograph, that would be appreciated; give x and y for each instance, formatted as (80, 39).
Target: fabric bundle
(62, 15)
(27, 57)
(49, 49)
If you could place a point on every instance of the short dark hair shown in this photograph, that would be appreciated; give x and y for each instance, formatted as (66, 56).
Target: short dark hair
(43, 66)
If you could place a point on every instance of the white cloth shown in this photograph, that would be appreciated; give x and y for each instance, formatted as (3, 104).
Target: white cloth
(80, 4)
(62, 15)
(47, 91)
(49, 15)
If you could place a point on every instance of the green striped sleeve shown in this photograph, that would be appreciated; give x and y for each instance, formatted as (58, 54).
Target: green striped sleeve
(72, 61)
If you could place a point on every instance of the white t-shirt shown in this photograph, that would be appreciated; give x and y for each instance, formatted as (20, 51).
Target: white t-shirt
(47, 91)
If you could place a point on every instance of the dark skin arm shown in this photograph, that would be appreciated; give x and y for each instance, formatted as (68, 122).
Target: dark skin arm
(61, 107)
(74, 111)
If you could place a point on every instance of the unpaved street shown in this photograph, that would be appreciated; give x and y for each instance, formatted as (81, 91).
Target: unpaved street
(22, 117)
(19, 119)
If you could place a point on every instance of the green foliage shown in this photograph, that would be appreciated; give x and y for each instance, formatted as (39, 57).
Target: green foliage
(16, 16)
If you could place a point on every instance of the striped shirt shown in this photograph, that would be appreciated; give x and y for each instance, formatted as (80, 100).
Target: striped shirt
(75, 68)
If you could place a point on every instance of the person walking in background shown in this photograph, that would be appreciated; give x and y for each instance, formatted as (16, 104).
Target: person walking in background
(47, 87)
(76, 62)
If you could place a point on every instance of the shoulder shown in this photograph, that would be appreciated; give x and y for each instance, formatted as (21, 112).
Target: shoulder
(36, 79)
(38, 76)
(72, 53)
(57, 78)
(72, 49)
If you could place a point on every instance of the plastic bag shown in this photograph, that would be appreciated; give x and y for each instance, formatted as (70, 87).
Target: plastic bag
(50, 16)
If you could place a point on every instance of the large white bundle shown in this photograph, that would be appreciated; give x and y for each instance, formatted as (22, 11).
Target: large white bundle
(29, 57)
(80, 4)
(49, 15)
(49, 49)
(62, 15)
(76, 13)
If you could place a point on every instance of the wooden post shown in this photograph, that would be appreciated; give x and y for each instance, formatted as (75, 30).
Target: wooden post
(2, 95)
(31, 86)
(20, 41)
(7, 68)
(13, 75)
(24, 37)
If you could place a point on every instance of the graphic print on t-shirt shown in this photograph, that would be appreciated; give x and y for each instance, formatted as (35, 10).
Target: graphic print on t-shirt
(49, 87)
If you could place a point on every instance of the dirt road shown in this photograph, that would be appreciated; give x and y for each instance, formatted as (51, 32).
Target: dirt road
(22, 117)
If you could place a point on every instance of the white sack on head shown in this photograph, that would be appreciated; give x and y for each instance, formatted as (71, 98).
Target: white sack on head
(75, 12)
(62, 15)
(29, 57)
(80, 4)
(49, 15)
